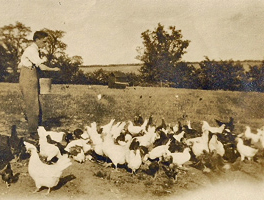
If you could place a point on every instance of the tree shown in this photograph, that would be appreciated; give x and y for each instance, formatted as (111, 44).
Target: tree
(225, 75)
(14, 40)
(4, 57)
(55, 47)
(255, 78)
(161, 52)
(185, 76)
(56, 57)
(69, 69)
(98, 77)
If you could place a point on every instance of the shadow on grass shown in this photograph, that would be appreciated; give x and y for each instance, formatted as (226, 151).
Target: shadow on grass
(52, 122)
(63, 181)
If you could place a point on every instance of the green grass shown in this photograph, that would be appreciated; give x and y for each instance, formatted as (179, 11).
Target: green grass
(78, 106)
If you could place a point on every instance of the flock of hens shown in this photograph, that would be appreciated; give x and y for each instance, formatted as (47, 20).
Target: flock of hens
(135, 145)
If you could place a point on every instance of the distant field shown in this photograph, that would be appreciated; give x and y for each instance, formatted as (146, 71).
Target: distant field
(134, 68)
(123, 68)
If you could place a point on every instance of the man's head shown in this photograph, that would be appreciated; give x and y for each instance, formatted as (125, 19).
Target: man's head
(40, 38)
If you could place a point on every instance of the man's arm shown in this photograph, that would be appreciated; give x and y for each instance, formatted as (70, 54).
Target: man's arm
(46, 68)
(31, 55)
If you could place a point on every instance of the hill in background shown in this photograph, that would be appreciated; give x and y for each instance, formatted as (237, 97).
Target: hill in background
(128, 68)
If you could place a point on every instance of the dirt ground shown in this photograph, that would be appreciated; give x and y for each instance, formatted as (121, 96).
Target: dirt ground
(92, 180)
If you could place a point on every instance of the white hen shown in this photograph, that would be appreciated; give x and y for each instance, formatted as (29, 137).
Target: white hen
(148, 138)
(176, 127)
(81, 143)
(134, 160)
(84, 136)
(136, 129)
(252, 136)
(158, 152)
(261, 138)
(245, 151)
(207, 127)
(77, 154)
(116, 153)
(56, 136)
(47, 150)
(189, 124)
(93, 134)
(116, 130)
(179, 136)
(199, 145)
(216, 145)
(45, 175)
(179, 158)
(106, 128)
(96, 139)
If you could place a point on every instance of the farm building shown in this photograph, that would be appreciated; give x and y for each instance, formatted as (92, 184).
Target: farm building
(117, 80)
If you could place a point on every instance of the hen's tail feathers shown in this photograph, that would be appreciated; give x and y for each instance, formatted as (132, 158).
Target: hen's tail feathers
(64, 162)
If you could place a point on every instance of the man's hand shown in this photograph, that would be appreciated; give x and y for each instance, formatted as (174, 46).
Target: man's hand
(44, 59)
(56, 69)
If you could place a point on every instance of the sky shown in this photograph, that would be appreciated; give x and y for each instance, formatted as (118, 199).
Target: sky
(107, 32)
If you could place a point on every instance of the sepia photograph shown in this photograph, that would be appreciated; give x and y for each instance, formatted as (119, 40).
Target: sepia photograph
(132, 99)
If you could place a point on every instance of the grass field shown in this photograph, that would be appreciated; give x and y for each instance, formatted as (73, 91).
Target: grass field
(78, 105)
(68, 107)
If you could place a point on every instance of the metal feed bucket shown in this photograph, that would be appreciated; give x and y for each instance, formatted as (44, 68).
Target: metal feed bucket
(45, 85)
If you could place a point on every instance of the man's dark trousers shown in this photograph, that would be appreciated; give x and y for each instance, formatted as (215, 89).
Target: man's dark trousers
(29, 86)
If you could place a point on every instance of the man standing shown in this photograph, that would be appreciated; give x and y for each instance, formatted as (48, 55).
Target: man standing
(30, 65)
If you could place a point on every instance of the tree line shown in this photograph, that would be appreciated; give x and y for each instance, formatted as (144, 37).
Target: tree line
(161, 56)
